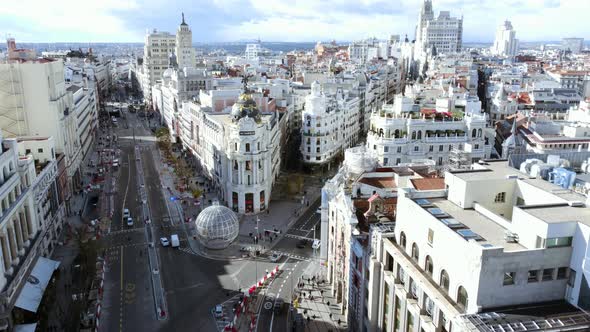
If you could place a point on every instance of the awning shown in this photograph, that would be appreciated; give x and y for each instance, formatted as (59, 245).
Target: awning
(32, 292)
(25, 327)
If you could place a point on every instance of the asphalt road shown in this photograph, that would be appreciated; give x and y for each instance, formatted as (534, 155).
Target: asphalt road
(193, 285)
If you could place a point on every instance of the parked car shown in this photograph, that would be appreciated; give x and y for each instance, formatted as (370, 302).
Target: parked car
(275, 257)
(129, 222)
(218, 311)
(174, 241)
(318, 211)
(164, 241)
(245, 249)
(126, 213)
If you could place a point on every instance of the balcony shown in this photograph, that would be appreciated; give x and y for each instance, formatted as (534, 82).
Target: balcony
(446, 138)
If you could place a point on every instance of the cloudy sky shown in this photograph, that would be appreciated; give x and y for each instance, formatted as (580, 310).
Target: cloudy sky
(281, 20)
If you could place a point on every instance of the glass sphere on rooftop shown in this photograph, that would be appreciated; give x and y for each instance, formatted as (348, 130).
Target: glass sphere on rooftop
(217, 226)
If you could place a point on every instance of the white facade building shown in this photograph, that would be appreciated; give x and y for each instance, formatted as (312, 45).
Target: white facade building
(575, 45)
(330, 124)
(36, 101)
(505, 43)
(240, 151)
(31, 220)
(184, 51)
(158, 47)
(443, 33)
(398, 138)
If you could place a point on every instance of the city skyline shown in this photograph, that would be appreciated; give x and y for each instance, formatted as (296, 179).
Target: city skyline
(306, 21)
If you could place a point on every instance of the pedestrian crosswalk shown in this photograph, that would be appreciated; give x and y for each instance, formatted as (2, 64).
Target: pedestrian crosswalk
(290, 255)
(298, 237)
(125, 231)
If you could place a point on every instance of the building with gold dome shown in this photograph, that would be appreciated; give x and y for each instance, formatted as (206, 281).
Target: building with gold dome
(239, 150)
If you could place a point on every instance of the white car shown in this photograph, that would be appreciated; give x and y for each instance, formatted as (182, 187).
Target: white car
(129, 221)
(164, 241)
(126, 213)
(275, 257)
(218, 311)
(318, 211)
(316, 244)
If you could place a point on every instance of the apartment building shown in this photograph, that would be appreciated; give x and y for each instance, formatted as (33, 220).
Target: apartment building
(495, 250)
(31, 220)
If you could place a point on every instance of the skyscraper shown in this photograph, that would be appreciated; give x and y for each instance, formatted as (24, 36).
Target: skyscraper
(185, 54)
(505, 44)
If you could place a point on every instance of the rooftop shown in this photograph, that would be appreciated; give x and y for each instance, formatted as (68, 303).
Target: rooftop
(468, 223)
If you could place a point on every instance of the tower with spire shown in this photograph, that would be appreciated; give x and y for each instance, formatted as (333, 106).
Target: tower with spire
(185, 53)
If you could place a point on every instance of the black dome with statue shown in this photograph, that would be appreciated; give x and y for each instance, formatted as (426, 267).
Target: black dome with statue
(245, 106)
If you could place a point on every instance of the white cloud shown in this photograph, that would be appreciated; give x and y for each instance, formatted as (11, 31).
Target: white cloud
(97, 20)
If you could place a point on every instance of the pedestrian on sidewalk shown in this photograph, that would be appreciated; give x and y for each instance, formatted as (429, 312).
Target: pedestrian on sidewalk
(338, 321)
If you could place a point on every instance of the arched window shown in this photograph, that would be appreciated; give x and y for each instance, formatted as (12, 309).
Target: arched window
(402, 240)
(462, 298)
(428, 266)
(247, 147)
(415, 252)
(413, 135)
(473, 133)
(420, 134)
(396, 133)
(444, 280)
(235, 164)
(479, 133)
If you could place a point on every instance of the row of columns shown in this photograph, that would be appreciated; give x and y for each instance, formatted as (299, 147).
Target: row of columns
(15, 237)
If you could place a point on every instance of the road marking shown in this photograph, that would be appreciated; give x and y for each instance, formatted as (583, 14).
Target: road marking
(126, 188)
(121, 299)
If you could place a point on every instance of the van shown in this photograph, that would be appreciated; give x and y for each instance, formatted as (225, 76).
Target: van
(316, 244)
(174, 241)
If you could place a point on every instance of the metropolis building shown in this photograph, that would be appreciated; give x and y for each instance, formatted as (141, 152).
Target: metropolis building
(239, 151)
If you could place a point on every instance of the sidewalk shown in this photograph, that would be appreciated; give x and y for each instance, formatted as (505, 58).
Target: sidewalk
(277, 220)
(318, 307)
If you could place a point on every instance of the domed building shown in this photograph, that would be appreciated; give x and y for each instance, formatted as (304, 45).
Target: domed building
(239, 150)
(217, 226)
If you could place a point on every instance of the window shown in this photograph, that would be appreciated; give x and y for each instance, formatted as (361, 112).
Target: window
(235, 146)
(572, 279)
(235, 165)
(385, 149)
(430, 236)
(40, 150)
(533, 276)
(399, 149)
(431, 148)
(440, 148)
(248, 166)
(27, 151)
(477, 146)
(547, 274)
(428, 266)
(415, 252)
(500, 198)
(462, 298)
(508, 278)
(374, 147)
(562, 273)
(385, 161)
(398, 161)
(402, 240)
(558, 242)
(444, 280)
(440, 161)
(416, 148)
(450, 147)
(247, 147)
(258, 146)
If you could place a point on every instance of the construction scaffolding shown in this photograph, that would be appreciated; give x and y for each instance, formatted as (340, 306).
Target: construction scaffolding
(12, 111)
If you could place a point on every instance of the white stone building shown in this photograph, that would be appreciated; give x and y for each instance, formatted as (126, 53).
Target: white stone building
(495, 240)
(398, 137)
(184, 51)
(31, 220)
(505, 43)
(36, 101)
(158, 47)
(240, 151)
(443, 33)
(330, 125)
(575, 45)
